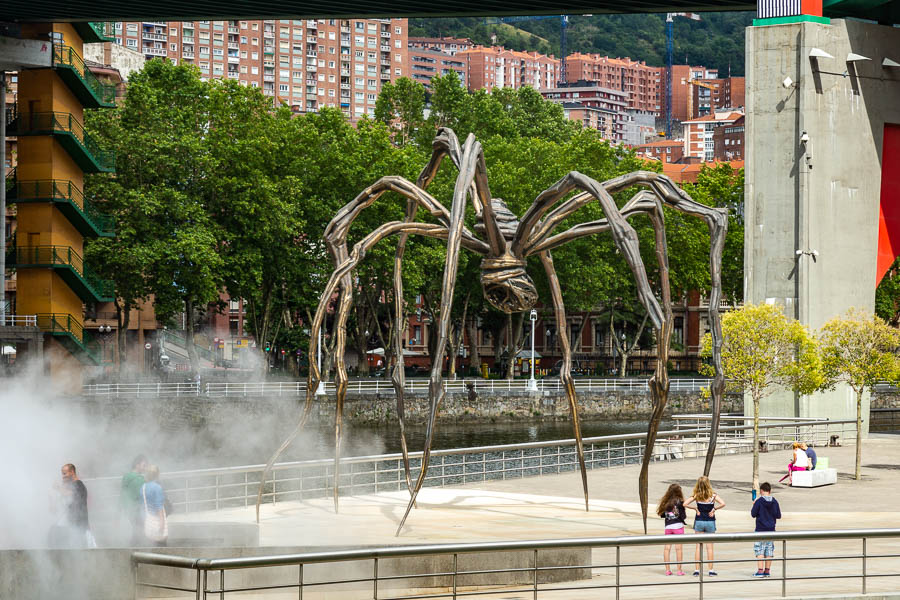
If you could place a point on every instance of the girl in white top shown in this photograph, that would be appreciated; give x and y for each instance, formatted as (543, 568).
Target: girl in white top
(799, 461)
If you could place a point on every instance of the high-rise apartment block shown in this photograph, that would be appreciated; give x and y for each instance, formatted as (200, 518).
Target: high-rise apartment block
(710, 95)
(306, 64)
(594, 106)
(641, 82)
(683, 89)
(447, 45)
(498, 67)
(425, 63)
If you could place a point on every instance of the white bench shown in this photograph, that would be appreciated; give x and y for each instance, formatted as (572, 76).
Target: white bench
(814, 478)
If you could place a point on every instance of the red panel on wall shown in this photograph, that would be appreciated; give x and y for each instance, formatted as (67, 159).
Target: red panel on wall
(811, 7)
(889, 223)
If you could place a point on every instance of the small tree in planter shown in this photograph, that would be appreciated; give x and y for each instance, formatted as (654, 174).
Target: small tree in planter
(859, 349)
(763, 350)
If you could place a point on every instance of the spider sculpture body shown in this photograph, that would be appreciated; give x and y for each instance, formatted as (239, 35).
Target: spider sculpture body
(506, 242)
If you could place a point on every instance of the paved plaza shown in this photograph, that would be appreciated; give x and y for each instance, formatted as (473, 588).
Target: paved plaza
(552, 506)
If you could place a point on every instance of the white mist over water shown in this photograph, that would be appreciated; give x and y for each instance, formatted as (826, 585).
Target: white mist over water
(45, 428)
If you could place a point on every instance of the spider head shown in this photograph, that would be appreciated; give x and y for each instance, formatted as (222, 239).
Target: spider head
(506, 284)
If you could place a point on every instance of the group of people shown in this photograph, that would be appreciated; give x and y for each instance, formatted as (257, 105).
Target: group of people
(143, 503)
(803, 458)
(705, 502)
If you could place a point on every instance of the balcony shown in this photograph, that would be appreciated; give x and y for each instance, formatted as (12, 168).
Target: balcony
(92, 33)
(312, 24)
(385, 63)
(385, 48)
(234, 60)
(386, 34)
(155, 23)
(232, 29)
(187, 54)
(311, 39)
(70, 267)
(345, 86)
(269, 92)
(70, 133)
(233, 75)
(311, 68)
(70, 201)
(311, 55)
(156, 37)
(87, 88)
(154, 51)
(269, 78)
(345, 29)
(69, 331)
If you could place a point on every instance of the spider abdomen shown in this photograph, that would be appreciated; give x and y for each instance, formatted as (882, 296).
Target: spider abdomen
(507, 285)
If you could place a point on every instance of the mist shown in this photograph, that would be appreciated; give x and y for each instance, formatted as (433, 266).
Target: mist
(46, 427)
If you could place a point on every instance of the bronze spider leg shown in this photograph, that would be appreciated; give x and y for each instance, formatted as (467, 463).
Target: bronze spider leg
(717, 222)
(444, 143)
(471, 166)
(337, 231)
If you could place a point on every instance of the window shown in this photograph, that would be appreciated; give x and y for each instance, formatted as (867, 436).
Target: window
(173, 47)
(331, 78)
(254, 70)
(282, 87)
(417, 334)
(244, 69)
(255, 41)
(678, 331)
(131, 43)
(398, 30)
(331, 35)
(254, 26)
(396, 43)
(173, 31)
(243, 39)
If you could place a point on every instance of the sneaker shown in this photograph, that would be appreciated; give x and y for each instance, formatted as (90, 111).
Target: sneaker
(759, 574)
(766, 574)
(712, 573)
(668, 573)
(680, 573)
(696, 573)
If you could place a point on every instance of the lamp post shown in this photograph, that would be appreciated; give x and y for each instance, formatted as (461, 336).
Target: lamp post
(320, 391)
(532, 383)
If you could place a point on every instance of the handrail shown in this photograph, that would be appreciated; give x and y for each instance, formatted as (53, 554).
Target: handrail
(64, 323)
(66, 56)
(168, 560)
(67, 256)
(61, 189)
(24, 123)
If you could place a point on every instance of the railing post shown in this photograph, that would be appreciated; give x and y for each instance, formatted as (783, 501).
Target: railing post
(455, 565)
(375, 580)
(864, 566)
(618, 569)
(783, 568)
(535, 574)
(300, 583)
(221, 584)
(701, 570)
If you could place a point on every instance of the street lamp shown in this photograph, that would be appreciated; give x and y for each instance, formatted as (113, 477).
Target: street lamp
(320, 391)
(532, 384)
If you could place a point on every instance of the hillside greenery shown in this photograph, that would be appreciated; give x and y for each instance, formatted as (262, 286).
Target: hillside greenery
(716, 42)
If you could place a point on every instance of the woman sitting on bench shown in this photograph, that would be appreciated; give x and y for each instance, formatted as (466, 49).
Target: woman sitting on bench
(799, 462)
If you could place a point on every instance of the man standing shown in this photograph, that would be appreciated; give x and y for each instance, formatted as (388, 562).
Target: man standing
(130, 498)
(73, 528)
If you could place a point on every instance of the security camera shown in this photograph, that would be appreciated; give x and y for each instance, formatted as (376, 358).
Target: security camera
(804, 137)
(787, 83)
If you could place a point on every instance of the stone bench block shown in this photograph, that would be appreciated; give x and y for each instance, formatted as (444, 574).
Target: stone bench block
(814, 478)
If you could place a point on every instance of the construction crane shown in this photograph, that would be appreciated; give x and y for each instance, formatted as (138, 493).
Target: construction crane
(670, 43)
(563, 36)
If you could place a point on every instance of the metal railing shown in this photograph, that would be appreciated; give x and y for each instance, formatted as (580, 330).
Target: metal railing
(65, 191)
(19, 320)
(230, 487)
(67, 57)
(420, 386)
(41, 123)
(614, 564)
(51, 256)
(140, 390)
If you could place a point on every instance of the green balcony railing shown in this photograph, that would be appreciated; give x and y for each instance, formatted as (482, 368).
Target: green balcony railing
(70, 200)
(71, 267)
(90, 91)
(69, 330)
(71, 134)
(92, 32)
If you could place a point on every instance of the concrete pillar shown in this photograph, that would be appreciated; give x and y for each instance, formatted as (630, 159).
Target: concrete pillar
(815, 124)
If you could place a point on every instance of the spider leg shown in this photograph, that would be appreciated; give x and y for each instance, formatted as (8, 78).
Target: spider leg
(565, 372)
(467, 172)
(717, 221)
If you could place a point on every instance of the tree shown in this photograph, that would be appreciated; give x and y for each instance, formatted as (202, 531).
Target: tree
(764, 350)
(859, 349)
(401, 104)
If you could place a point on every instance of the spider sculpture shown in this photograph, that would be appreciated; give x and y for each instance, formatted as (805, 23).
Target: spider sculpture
(506, 242)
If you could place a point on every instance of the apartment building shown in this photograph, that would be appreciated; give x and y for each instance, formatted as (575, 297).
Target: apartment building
(729, 141)
(699, 134)
(306, 64)
(498, 67)
(717, 94)
(666, 151)
(640, 81)
(682, 88)
(447, 45)
(425, 63)
(612, 104)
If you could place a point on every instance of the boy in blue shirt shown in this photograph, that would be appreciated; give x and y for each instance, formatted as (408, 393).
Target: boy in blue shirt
(766, 511)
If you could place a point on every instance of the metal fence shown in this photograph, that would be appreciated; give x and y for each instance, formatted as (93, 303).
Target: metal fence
(214, 489)
(808, 562)
(378, 387)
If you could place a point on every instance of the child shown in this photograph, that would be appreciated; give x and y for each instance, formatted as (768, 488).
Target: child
(706, 502)
(766, 511)
(671, 508)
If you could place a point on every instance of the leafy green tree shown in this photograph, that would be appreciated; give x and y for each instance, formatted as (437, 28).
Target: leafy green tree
(887, 296)
(764, 350)
(401, 104)
(859, 349)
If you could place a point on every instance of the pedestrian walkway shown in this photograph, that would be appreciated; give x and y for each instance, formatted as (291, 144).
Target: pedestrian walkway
(552, 506)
